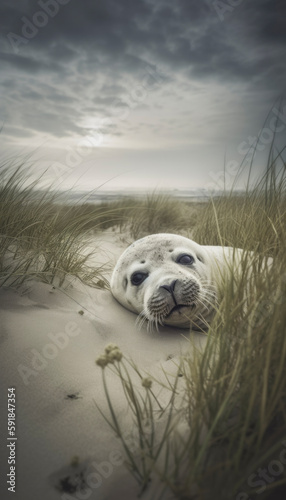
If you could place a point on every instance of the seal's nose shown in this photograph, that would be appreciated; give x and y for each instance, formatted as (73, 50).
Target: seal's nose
(170, 288)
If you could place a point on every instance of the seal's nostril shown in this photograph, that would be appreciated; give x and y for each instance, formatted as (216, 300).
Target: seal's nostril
(170, 288)
(173, 284)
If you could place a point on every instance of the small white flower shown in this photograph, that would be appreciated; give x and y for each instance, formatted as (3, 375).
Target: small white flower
(115, 355)
(102, 361)
(110, 347)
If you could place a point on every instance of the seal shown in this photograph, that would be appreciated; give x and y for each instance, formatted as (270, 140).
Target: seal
(171, 280)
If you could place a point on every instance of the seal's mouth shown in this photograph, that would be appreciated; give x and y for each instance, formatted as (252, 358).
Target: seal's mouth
(178, 308)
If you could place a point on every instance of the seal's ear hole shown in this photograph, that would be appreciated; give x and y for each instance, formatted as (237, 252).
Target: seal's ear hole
(171, 250)
(125, 283)
(142, 261)
(200, 259)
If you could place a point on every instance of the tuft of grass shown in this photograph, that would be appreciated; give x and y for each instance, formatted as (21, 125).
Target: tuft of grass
(32, 242)
(161, 213)
(97, 217)
(254, 220)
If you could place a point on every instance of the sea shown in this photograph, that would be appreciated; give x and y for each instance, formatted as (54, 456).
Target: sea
(97, 197)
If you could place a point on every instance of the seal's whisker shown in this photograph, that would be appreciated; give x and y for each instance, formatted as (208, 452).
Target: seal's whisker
(155, 322)
(140, 323)
(142, 319)
(150, 326)
(161, 320)
(212, 302)
(210, 295)
(206, 299)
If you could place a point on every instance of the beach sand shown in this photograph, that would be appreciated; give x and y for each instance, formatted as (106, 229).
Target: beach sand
(50, 338)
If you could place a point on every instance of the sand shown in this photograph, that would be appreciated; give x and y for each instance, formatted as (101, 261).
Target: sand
(50, 339)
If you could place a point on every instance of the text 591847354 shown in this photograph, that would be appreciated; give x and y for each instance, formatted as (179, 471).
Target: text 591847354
(12, 439)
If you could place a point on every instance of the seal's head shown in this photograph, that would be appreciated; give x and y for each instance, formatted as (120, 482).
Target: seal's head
(166, 279)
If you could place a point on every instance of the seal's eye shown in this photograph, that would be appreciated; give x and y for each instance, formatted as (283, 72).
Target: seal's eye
(185, 259)
(138, 278)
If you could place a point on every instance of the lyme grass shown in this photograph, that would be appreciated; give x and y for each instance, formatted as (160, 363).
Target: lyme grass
(31, 243)
(254, 221)
(151, 214)
(161, 213)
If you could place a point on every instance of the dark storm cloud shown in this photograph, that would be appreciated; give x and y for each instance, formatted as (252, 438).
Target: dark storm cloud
(266, 21)
(89, 51)
(27, 64)
(186, 34)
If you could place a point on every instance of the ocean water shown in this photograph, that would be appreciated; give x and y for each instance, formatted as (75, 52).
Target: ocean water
(96, 197)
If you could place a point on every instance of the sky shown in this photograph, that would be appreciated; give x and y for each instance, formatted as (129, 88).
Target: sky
(143, 94)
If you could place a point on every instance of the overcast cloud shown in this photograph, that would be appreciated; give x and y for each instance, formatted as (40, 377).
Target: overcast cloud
(159, 90)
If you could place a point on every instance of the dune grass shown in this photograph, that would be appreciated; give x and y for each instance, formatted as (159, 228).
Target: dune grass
(44, 237)
(232, 394)
(139, 216)
(161, 213)
(33, 242)
(254, 221)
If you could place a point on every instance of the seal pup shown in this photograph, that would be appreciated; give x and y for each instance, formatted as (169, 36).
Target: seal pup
(171, 280)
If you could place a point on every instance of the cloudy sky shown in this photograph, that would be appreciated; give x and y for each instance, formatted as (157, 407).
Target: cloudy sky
(141, 93)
